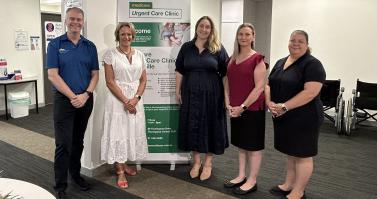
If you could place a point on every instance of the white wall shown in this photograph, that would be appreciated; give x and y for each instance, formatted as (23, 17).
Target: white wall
(100, 29)
(211, 8)
(342, 34)
(232, 17)
(25, 15)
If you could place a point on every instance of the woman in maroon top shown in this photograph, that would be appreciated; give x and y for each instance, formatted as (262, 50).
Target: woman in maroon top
(244, 98)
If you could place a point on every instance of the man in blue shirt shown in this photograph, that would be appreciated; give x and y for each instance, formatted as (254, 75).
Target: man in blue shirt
(72, 64)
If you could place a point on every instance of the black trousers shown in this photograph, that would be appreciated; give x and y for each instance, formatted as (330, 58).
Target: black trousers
(70, 125)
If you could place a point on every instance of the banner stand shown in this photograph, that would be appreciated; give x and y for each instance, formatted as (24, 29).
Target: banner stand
(164, 158)
(162, 26)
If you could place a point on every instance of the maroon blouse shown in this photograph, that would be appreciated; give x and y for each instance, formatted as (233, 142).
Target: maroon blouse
(241, 82)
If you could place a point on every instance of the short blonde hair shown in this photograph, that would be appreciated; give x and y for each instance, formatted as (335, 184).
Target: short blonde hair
(124, 24)
(213, 43)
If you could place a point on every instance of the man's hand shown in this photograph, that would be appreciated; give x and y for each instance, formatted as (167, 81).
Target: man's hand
(79, 100)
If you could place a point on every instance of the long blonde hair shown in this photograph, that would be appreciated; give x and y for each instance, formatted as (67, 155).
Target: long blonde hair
(213, 43)
(236, 49)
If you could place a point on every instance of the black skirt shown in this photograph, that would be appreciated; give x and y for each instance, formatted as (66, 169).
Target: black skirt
(296, 132)
(248, 130)
(202, 118)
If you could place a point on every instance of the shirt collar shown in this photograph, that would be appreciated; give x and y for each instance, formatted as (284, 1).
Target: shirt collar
(65, 38)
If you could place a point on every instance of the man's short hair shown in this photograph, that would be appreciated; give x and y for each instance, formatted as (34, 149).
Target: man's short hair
(77, 9)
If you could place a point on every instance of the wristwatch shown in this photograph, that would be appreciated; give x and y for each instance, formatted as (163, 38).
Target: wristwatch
(243, 106)
(90, 93)
(284, 108)
(138, 97)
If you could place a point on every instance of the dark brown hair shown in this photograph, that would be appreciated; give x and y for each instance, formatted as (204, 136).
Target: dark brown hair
(301, 32)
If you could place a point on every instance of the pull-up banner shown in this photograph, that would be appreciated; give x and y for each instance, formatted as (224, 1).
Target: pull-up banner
(162, 26)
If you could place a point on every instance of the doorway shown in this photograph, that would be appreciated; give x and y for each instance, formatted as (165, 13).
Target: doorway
(50, 19)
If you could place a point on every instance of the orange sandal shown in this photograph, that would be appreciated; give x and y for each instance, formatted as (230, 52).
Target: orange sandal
(122, 183)
(129, 171)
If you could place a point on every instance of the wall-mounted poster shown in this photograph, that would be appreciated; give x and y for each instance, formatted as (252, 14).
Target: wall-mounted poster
(34, 43)
(21, 40)
(52, 29)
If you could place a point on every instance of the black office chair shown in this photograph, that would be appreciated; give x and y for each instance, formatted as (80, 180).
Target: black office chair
(364, 99)
(332, 99)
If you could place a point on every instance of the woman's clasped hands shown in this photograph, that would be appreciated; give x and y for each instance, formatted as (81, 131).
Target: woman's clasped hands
(130, 105)
(276, 109)
(234, 111)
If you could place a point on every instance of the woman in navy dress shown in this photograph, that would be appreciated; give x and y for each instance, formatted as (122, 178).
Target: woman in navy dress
(200, 67)
(292, 95)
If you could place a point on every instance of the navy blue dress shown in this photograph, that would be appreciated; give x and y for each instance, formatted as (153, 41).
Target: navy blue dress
(296, 132)
(202, 122)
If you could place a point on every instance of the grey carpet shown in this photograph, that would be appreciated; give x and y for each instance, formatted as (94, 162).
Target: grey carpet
(21, 165)
(41, 123)
(344, 168)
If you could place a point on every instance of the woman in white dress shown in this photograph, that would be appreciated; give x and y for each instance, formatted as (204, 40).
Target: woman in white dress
(124, 135)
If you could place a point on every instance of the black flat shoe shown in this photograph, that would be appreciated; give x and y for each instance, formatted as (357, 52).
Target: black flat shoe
(285, 197)
(277, 191)
(60, 195)
(81, 182)
(228, 184)
(240, 191)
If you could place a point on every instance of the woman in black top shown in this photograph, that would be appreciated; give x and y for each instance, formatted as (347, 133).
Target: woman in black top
(292, 95)
(200, 67)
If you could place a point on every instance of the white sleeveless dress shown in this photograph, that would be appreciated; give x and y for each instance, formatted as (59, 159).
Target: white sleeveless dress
(124, 136)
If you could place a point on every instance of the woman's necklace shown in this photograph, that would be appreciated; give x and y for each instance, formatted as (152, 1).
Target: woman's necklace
(128, 55)
(123, 51)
